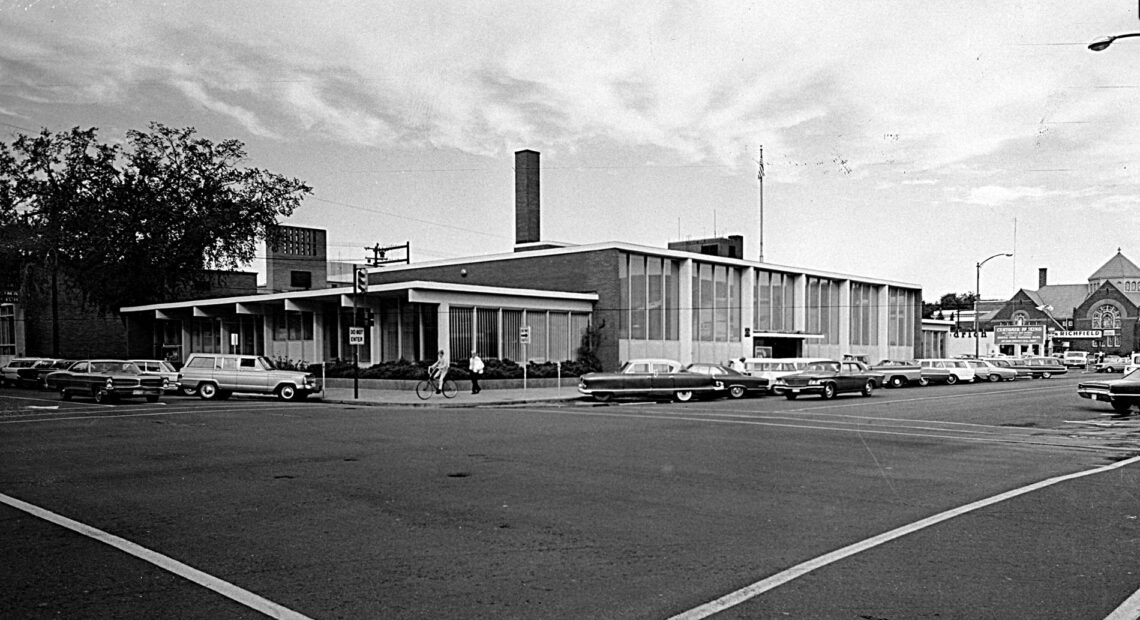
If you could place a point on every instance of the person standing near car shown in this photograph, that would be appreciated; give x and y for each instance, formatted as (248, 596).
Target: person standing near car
(475, 364)
(439, 370)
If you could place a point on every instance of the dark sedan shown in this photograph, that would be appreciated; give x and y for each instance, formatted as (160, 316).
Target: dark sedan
(1122, 394)
(652, 378)
(828, 379)
(35, 375)
(738, 385)
(105, 381)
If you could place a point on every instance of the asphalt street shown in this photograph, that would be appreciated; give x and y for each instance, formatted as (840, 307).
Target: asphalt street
(729, 509)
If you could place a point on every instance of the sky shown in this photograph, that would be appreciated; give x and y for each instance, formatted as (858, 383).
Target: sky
(902, 140)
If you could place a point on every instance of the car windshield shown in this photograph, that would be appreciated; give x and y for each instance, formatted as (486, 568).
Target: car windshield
(822, 367)
(122, 368)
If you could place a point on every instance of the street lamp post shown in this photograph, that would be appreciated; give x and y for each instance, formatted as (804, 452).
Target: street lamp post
(978, 295)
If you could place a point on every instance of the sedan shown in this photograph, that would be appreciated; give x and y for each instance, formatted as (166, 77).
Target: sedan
(34, 375)
(105, 381)
(651, 378)
(1111, 363)
(738, 384)
(1122, 394)
(830, 378)
(988, 371)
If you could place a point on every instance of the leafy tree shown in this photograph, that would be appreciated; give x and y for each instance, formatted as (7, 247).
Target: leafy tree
(139, 223)
(948, 305)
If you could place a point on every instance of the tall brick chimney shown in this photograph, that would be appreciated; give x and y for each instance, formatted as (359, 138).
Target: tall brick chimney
(526, 197)
(1042, 277)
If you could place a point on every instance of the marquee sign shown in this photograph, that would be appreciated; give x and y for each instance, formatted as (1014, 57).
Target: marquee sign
(1072, 335)
(1019, 334)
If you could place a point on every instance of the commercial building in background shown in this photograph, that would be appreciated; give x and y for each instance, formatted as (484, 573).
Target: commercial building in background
(1098, 316)
(692, 301)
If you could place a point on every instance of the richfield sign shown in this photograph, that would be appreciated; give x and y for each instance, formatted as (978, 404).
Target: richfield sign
(1090, 333)
(1019, 334)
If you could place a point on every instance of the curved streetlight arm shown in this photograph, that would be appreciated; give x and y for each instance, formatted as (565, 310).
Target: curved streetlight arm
(978, 295)
(1102, 44)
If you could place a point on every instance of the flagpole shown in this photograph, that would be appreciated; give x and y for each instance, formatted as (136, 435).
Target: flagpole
(760, 193)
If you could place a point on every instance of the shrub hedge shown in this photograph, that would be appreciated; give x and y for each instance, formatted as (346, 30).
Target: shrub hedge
(404, 369)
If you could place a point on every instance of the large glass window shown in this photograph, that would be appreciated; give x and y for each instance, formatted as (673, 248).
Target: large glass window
(716, 312)
(7, 329)
(900, 317)
(823, 309)
(487, 331)
(512, 321)
(461, 337)
(648, 295)
(864, 314)
(775, 302)
(288, 325)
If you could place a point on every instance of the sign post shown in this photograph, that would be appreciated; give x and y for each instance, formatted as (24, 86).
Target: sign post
(524, 340)
(356, 334)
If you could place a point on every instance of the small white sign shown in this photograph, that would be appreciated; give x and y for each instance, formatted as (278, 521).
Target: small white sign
(355, 335)
(524, 334)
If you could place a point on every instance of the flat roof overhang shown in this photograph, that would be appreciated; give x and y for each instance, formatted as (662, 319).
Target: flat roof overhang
(418, 291)
(787, 335)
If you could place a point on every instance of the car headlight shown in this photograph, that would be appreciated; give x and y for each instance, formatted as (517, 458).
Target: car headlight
(813, 382)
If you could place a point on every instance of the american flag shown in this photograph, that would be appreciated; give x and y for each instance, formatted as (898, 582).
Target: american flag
(760, 165)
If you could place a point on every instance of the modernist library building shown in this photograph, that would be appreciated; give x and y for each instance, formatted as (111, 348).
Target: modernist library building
(693, 301)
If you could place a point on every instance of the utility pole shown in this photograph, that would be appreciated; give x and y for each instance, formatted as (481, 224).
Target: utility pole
(380, 254)
(760, 193)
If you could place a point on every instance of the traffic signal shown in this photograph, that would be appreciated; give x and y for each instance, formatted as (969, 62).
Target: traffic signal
(361, 280)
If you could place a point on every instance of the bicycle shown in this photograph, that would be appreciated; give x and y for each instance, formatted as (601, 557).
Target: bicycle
(426, 387)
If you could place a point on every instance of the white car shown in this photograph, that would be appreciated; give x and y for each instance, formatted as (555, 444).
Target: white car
(772, 368)
(984, 370)
(8, 372)
(960, 370)
(161, 368)
(1075, 359)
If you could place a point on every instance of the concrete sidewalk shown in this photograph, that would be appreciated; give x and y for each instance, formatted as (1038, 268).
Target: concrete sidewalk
(486, 397)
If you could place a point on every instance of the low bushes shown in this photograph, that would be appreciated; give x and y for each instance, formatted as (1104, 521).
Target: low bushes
(493, 369)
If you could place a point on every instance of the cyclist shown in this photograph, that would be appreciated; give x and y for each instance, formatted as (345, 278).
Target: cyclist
(438, 371)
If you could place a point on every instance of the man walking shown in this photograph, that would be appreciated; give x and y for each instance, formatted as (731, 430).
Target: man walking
(475, 364)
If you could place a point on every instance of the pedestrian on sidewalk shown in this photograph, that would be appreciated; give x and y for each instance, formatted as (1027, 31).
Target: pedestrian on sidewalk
(476, 366)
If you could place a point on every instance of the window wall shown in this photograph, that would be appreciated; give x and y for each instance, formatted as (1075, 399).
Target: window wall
(648, 297)
(554, 335)
(775, 302)
(716, 303)
(864, 314)
(901, 317)
(823, 309)
(8, 329)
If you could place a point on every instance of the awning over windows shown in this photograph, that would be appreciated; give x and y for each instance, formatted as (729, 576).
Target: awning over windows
(787, 335)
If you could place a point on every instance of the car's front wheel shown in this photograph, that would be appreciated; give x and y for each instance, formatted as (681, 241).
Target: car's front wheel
(897, 382)
(64, 394)
(952, 379)
(868, 388)
(603, 397)
(994, 378)
(207, 391)
(736, 391)
(828, 391)
(1121, 407)
(1046, 375)
(790, 395)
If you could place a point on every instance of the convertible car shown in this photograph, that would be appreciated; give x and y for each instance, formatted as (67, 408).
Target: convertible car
(651, 378)
(1122, 394)
(105, 381)
(830, 378)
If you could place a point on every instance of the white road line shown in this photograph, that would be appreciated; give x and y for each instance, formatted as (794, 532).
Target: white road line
(760, 587)
(245, 597)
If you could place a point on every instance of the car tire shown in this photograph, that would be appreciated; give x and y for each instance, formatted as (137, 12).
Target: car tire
(923, 381)
(64, 394)
(101, 397)
(736, 391)
(208, 391)
(603, 397)
(896, 382)
(952, 379)
(683, 396)
(1046, 375)
(868, 388)
(790, 395)
(151, 398)
(828, 391)
(287, 392)
(1121, 407)
(187, 391)
(994, 378)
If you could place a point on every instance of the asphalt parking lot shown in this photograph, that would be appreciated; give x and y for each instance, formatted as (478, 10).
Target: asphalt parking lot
(570, 510)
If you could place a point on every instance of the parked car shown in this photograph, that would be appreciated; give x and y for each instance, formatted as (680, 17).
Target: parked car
(161, 368)
(772, 368)
(960, 371)
(105, 381)
(9, 372)
(1041, 367)
(898, 373)
(1122, 394)
(1004, 362)
(1133, 363)
(736, 383)
(33, 376)
(985, 370)
(931, 374)
(1075, 359)
(652, 378)
(1111, 363)
(219, 375)
(830, 378)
